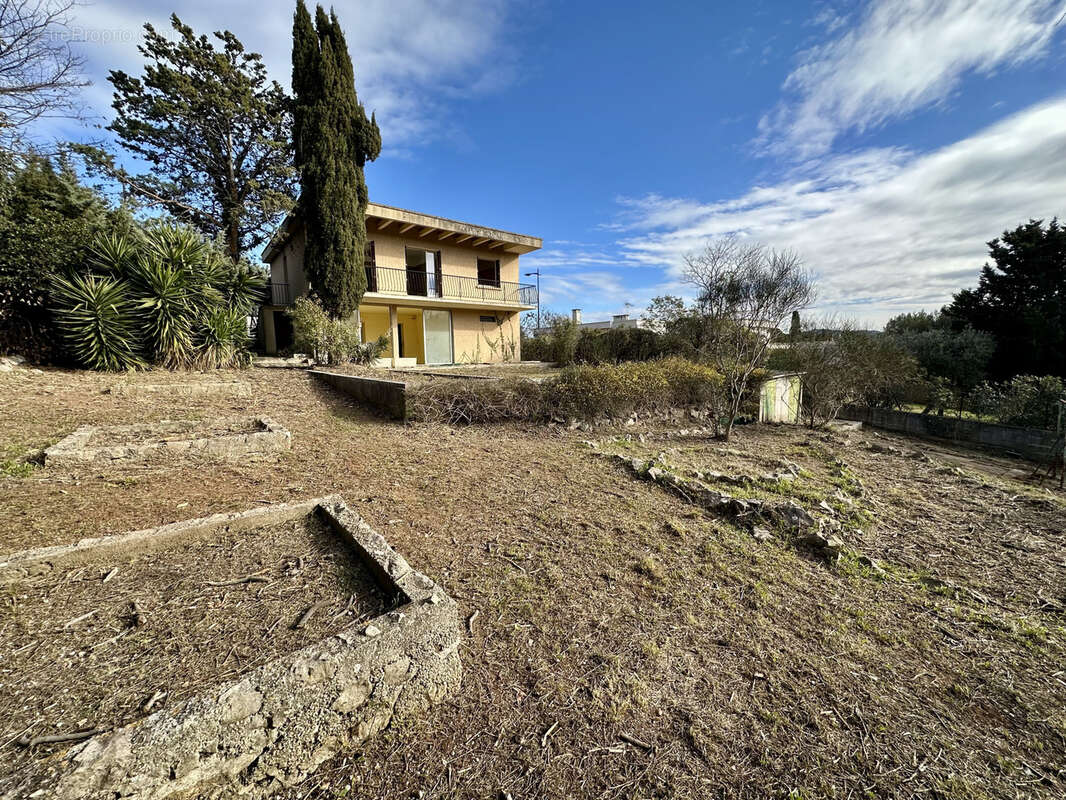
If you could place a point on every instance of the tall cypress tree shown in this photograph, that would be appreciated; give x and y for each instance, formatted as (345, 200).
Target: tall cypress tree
(333, 141)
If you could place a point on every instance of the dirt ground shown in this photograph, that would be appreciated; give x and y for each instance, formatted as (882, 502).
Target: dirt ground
(91, 646)
(623, 643)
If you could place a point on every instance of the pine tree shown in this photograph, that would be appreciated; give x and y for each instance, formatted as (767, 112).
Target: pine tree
(333, 140)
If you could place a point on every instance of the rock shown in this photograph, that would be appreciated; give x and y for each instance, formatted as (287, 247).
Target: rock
(829, 543)
(761, 534)
(240, 702)
(352, 697)
(372, 630)
(873, 566)
(828, 509)
(655, 473)
(793, 515)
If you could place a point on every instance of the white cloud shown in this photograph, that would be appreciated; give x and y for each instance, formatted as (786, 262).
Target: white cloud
(902, 56)
(886, 230)
(410, 56)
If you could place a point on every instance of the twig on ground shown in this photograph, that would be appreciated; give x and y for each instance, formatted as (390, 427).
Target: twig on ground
(254, 578)
(155, 698)
(306, 616)
(57, 738)
(470, 622)
(547, 733)
(633, 740)
(76, 620)
(110, 575)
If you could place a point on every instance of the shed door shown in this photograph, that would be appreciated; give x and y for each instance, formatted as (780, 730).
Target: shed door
(437, 325)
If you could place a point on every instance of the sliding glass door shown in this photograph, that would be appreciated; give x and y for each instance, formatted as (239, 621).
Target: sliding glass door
(437, 325)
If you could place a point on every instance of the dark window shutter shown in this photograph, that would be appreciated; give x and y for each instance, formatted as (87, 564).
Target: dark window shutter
(370, 262)
(439, 269)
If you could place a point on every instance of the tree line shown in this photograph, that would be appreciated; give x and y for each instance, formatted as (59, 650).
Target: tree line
(995, 352)
(225, 151)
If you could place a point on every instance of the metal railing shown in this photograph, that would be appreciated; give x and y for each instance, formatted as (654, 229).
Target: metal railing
(279, 294)
(417, 283)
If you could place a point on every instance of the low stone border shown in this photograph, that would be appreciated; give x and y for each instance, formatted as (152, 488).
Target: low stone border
(75, 449)
(749, 513)
(383, 396)
(275, 725)
(185, 389)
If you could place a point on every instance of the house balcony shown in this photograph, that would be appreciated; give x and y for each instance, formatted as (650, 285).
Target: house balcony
(388, 284)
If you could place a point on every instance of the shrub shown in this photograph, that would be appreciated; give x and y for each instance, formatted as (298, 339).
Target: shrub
(328, 340)
(166, 298)
(456, 402)
(98, 322)
(582, 392)
(586, 392)
(1025, 400)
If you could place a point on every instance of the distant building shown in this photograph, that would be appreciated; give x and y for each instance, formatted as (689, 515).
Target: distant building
(616, 321)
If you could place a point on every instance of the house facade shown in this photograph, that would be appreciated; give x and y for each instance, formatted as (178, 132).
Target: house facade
(442, 291)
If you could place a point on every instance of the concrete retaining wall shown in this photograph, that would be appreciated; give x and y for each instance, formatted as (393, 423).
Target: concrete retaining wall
(273, 726)
(1032, 443)
(385, 397)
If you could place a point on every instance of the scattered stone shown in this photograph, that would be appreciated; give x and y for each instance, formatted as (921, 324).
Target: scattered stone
(873, 566)
(371, 631)
(761, 534)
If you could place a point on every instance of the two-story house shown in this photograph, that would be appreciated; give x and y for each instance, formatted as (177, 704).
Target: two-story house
(442, 291)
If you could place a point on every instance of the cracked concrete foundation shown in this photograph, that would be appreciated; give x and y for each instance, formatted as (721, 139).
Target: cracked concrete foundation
(274, 725)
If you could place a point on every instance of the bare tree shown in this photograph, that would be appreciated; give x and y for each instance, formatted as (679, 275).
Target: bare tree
(39, 72)
(745, 291)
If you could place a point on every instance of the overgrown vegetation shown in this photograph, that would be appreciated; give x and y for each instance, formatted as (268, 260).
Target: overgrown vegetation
(328, 340)
(165, 297)
(582, 392)
(48, 222)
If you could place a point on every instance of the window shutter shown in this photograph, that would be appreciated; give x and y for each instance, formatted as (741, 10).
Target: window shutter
(439, 270)
(370, 263)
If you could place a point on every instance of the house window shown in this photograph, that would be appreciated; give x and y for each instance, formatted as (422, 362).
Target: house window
(488, 272)
(488, 318)
(370, 264)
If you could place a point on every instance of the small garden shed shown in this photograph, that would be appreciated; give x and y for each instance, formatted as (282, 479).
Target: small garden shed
(780, 398)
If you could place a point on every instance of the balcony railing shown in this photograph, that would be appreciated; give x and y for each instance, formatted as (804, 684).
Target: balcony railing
(279, 294)
(388, 280)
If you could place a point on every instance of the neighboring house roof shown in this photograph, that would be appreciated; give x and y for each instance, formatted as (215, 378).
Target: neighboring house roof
(390, 219)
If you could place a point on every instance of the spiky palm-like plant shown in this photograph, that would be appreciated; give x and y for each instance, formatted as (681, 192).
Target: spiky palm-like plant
(99, 321)
(224, 339)
(183, 303)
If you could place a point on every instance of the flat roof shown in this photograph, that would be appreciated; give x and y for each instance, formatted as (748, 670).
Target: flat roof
(401, 221)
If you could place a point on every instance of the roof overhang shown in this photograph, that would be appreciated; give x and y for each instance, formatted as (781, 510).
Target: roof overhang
(415, 225)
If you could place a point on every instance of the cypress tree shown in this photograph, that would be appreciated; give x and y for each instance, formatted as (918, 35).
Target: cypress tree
(333, 141)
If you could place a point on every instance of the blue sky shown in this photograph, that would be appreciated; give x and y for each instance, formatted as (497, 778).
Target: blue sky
(884, 141)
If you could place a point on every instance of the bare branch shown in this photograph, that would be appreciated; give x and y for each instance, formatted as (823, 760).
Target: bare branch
(39, 72)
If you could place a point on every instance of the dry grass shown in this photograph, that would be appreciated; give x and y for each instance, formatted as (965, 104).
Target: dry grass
(80, 656)
(626, 644)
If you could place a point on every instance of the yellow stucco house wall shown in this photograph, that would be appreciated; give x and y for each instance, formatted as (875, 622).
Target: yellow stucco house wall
(441, 290)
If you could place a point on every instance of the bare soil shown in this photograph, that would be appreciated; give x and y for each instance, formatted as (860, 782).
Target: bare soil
(210, 609)
(621, 641)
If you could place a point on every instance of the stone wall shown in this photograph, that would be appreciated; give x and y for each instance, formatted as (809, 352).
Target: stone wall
(385, 397)
(1032, 443)
(273, 726)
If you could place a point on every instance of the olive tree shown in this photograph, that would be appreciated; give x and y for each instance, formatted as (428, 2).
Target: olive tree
(745, 291)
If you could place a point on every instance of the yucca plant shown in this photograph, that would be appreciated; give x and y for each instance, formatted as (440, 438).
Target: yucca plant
(167, 311)
(224, 340)
(98, 321)
(182, 302)
(113, 253)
